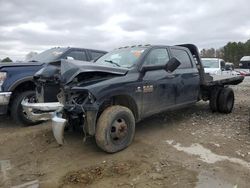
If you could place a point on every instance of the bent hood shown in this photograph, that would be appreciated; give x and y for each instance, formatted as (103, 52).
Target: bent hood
(72, 68)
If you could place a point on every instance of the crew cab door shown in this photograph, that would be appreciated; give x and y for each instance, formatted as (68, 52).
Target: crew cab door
(157, 86)
(187, 77)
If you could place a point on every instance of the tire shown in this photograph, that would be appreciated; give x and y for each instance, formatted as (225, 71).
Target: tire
(226, 100)
(16, 110)
(213, 101)
(115, 129)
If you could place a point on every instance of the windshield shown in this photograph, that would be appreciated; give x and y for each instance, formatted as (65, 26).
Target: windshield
(48, 55)
(210, 63)
(125, 57)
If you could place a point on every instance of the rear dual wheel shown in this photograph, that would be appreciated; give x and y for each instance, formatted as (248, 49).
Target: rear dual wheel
(222, 100)
(213, 101)
(226, 100)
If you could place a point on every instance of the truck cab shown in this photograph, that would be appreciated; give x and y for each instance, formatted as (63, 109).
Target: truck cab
(213, 66)
(245, 62)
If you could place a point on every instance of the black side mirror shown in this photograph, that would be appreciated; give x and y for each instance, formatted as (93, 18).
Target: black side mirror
(172, 64)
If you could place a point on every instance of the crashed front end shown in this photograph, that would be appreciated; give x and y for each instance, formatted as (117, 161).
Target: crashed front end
(47, 111)
(80, 110)
(76, 106)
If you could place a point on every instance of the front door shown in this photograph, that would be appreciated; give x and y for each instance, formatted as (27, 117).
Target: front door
(157, 86)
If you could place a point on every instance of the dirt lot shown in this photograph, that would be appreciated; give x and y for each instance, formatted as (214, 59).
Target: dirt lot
(187, 148)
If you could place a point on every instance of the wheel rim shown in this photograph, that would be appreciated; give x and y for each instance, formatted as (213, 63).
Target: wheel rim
(119, 131)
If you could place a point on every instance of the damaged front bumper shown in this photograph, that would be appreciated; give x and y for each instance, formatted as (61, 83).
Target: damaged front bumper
(83, 115)
(47, 111)
(41, 111)
(58, 126)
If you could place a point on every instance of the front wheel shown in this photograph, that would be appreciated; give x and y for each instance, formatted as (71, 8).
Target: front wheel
(17, 112)
(115, 129)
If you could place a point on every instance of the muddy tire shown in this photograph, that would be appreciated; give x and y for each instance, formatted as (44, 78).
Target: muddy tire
(16, 111)
(226, 100)
(214, 98)
(115, 129)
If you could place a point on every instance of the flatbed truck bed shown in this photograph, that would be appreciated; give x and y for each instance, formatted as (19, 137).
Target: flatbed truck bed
(223, 80)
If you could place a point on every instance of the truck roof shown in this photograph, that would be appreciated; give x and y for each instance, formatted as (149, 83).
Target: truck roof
(152, 46)
(245, 58)
(77, 48)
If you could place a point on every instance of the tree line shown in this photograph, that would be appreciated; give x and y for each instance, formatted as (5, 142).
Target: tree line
(231, 52)
(6, 60)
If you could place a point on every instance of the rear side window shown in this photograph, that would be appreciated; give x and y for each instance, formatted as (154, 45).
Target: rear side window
(95, 54)
(77, 55)
(183, 57)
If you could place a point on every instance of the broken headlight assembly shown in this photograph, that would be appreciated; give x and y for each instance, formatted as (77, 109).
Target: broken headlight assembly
(84, 98)
(91, 98)
(79, 98)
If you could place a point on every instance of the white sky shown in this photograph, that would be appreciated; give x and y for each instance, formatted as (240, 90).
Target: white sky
(36, 25)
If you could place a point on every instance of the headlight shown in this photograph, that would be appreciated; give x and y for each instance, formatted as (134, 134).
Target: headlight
(3, 76)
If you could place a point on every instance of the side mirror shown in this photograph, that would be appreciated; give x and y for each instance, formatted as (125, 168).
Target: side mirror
(172, 64)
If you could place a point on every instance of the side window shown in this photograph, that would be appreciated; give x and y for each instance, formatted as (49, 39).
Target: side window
(95, 54)
(77, 55)
(222, 65)
(183, 57)
(157, 57)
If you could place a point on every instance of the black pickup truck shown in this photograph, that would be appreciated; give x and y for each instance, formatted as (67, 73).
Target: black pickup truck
(16, 79)
(108, 97)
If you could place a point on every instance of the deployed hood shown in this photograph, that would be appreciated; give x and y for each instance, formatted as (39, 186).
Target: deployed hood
(72, 68)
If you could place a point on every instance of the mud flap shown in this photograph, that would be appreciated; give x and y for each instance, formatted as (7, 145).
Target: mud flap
(58, 125)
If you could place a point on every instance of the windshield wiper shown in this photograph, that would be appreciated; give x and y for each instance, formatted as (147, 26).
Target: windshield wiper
(112, 62)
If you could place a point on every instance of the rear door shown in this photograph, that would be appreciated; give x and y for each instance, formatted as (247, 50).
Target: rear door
(187, 76)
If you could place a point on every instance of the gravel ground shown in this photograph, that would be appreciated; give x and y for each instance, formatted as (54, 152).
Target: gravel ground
(191, 147)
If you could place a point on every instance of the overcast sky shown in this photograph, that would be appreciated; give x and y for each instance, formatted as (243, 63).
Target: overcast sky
(36, 25)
